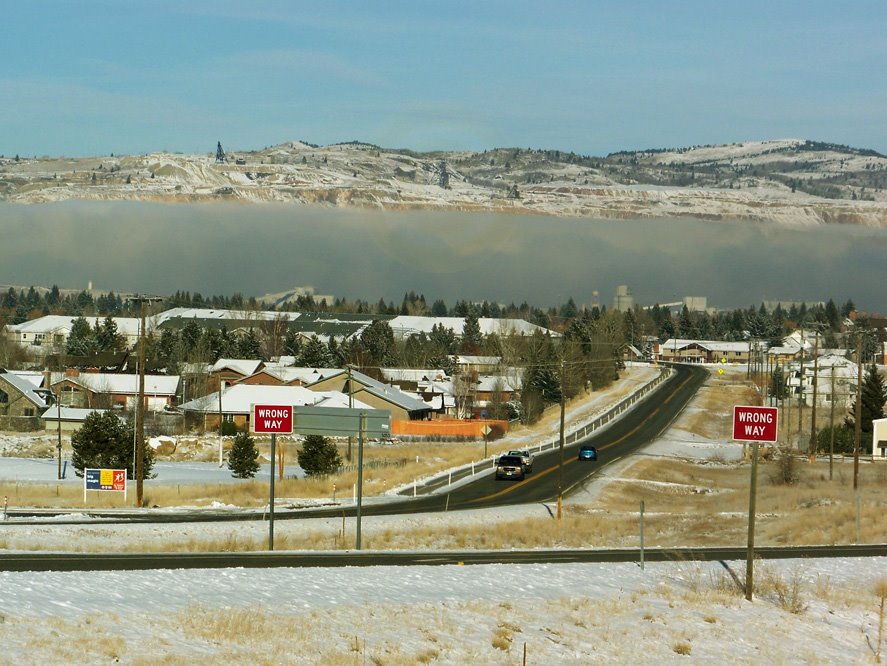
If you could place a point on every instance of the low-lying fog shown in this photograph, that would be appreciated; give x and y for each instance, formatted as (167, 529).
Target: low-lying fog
(258, 249)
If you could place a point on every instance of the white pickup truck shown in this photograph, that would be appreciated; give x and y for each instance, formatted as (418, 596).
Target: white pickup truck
(525, 456)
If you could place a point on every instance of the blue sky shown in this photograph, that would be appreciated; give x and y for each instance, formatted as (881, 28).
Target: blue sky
(91, 77)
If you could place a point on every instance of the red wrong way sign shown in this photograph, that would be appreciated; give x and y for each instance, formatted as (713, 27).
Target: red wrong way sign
(755, 424)
(272, 419)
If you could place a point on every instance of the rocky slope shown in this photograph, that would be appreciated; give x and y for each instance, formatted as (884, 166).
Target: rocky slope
(786, 182)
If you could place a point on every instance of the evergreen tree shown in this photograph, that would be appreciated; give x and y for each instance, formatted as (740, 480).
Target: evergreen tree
(439, 308)
(569, 310)
(292, 343)
(847, 308)
(106, 336)
(832, 316)
(81, 339)
(243, 459)
(314, 354)
(377, 341)
(249, 346)
(105, 441)
(874, 395)
(472, 338)
(318, 456)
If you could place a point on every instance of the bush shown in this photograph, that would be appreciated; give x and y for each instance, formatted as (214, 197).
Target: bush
(845, 439)
(104, 441)
(229, 428)
(243, 459)
(318, 456)
(786, 472)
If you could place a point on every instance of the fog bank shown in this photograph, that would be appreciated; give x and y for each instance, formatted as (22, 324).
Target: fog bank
(258, 249)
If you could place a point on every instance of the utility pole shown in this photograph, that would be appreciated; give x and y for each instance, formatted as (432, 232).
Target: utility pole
(858, 428)
(801, 392)
(560, 466)
(139, 463)
(813, 409)
(59, 417)
(350, 406)
(831, 422)
(140, 411)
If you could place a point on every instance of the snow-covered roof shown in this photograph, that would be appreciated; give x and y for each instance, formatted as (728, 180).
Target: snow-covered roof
(128, 326)
(490, 383)
(411, 374)
(406, 325)
(220, 314)
(34, 376)
(68, 413)
(242, 366)
(711, 345)
(288, 374)
(240, 398)
(388, 393)
(466, 359)
(26, 388)
(102, 382)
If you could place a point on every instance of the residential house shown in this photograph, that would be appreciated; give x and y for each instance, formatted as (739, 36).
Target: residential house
(879, 438)
(228, 371)
(21, 402)
(49, 334)
(704, 351)
(465, 363)
(66, 419)
(236, 403)
(273, 375)
(374, 393)
(91, 390)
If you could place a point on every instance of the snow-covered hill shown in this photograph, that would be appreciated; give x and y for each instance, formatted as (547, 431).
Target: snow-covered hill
(788, 181)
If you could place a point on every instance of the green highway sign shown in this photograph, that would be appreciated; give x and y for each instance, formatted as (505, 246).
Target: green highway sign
(341, 421)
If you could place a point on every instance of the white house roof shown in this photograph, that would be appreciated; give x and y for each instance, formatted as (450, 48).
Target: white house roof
(69, 413)
(242, 366)
(412, 374)
(488, 383)
(128, 326)
(35, 377)
(240, 398)
(26, 388)
(406, 325)
(711, 345)
(305, 375)
(102, 382)
(388, 393)
(215, 313)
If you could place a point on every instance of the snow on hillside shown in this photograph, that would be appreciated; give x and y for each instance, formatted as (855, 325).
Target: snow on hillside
(741, 181)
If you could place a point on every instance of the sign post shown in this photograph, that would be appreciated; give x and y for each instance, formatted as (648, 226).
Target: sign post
(274, 420)
(753, 424)
(345, 422)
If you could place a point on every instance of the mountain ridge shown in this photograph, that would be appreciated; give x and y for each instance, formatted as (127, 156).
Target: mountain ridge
(785, 181)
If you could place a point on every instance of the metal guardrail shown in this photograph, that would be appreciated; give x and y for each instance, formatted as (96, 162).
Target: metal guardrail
(484, 465)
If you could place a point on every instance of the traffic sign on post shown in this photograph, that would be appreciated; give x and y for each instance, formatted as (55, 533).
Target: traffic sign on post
(272, 419)
(755, 424)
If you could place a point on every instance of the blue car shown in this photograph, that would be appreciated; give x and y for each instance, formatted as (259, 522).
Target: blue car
(587, 452)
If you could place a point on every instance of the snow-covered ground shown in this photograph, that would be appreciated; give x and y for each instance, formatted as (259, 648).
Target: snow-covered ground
(805, 612)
